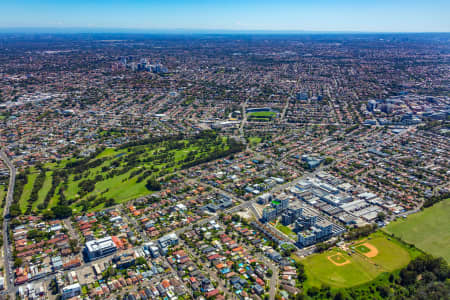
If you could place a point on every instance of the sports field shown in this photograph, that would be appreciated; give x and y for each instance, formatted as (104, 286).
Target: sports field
(261, 115)
(360, 263)
(428, 230)
(362, 248)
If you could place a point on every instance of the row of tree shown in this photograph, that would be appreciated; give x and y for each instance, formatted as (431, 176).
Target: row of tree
(435, 199)
(37, 186)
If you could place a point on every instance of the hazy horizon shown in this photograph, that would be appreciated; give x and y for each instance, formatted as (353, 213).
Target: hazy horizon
(251, 15)
(112, 30)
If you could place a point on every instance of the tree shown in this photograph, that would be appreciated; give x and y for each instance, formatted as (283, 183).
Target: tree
(14, 210)
(141, 261)
(429, 277)
(62, 211)
(153, 185)
(48, 215)
(109, 272)
(314, 291)
(322, 246)
(433, 290)
(299, 296)
(408, 277)
(73, 243)
(235, 218)
(384, 291)
(110, 202)
(17, 262)
(15, 223)
(381, 216)
(328, 160)
(340, 295)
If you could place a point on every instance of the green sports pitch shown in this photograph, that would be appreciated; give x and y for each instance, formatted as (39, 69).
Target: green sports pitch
(261, 115)
(341, 269)
(428, 230)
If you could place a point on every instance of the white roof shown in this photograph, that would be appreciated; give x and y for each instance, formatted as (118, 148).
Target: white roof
(71, 287)
(102, 243)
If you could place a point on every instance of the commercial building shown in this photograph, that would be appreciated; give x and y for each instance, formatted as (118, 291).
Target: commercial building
(305, 221)
(310, 226)
(57, 263)
(277, 207)
(124, 261)
(99, 248)
(302, 96)
(151, 249)
(312, 162)
(371, 105)
(293, 212)
(265, 198)
(70, 291)
(306, 238)
(319, 231)
(170, 239)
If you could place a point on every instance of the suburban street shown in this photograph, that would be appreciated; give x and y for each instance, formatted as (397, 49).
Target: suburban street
(249, 204)
(9, 198)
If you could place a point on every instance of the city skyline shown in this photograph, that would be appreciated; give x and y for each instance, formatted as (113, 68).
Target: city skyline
(216, 16)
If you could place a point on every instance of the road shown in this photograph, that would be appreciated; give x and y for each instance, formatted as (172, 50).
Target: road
(273, 282)
(244, 118)
(285, 108)
(9, 198)
(244, 205)
(8, 258)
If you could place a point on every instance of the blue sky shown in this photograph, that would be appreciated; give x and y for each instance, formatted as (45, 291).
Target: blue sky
(315, 15)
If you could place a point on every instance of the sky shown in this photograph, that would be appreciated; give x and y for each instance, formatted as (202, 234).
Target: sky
(276, 15)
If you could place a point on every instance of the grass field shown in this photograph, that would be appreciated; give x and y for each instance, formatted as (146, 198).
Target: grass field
(321, 270)
(362, 249)
(261, 115)
(428, 230)
(338, 259)
(27, 191)
(340, 269)
(44, 190)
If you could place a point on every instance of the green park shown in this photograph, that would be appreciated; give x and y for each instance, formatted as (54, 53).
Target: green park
(428, 229)
(261, 115)
(109, 176)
